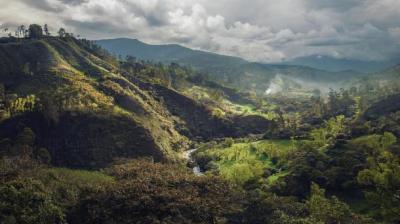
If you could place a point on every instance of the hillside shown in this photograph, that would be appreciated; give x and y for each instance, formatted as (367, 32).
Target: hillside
(231, 71)
(233, 112)
(126, 127)
(87, 110)
(84, 117)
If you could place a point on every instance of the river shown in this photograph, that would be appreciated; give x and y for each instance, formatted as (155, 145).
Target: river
(189, 158)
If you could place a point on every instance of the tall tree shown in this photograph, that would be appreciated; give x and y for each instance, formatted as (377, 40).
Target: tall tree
(20, 32)
(382, 176)
(46, 30)
(35, 31)
(61, 32)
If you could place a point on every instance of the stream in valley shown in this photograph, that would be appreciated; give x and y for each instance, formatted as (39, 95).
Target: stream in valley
(191, 161)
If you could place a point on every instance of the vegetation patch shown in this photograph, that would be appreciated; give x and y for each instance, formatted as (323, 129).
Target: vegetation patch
(244, 161)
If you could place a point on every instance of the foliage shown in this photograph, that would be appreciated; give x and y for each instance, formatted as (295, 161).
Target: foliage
(327, 210)
(21, 105)
(35, 31)
(26, 201)
(242, 162)
(382, 177)
(31, 193)
(272, 209)
(305, 165)
(326, 136)
(148, 192)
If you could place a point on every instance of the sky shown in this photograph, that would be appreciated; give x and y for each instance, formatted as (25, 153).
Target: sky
(257, 30)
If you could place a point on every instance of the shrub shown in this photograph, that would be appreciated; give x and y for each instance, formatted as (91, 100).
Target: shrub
(26, 201)
(149, 192)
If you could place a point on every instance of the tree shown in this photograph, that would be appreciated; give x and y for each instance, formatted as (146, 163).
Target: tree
(217, 95)
(20, 32)
(150, 192)
(382, 177)
(35, 31)
(323, 210)
(46, 30)
(326, 136)
(26, 137)
(24, 143)
(21, 104)
(327, 210)
(27, 201)
(44, 156)
(306, 165)
(61, 32)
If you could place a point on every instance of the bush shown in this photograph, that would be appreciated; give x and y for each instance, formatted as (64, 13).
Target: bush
(148, 192)
(26, 201)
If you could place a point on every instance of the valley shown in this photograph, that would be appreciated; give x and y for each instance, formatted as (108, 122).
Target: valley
(117, 131)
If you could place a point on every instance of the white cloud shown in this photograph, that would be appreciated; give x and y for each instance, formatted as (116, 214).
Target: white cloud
(259, 30)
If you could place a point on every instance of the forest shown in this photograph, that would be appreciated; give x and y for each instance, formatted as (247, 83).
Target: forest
(89, 136)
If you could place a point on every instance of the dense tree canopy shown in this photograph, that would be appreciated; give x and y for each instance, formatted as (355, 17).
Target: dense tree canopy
(35, 31)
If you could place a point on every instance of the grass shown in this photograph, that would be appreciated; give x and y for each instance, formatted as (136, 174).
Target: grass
(225, 106)
(273, 178)
(66, 185)
(240, 162)
(284, 144)
(78, 177)
(248, 109)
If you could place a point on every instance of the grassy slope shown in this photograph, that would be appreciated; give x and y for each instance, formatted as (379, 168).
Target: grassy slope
(103, 114)
(57, 67)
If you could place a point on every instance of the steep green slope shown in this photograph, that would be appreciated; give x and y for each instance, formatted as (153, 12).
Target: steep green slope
(85, 116)
(88, 109)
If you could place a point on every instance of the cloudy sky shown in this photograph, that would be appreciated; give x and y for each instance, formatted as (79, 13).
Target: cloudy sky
(258, 30)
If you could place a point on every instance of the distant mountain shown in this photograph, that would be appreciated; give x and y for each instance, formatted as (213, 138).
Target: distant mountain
(335, 65)
(169, 52)
(231, 71)
(392, 72)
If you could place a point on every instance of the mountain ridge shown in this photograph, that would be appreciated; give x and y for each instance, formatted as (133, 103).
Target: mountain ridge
(231, 71)
(336, 64)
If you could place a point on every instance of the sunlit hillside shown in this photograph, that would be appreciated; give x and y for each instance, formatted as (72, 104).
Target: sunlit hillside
(199, 112)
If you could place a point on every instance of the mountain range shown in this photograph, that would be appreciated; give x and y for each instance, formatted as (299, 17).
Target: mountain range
(339, 64)
(231, 71)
